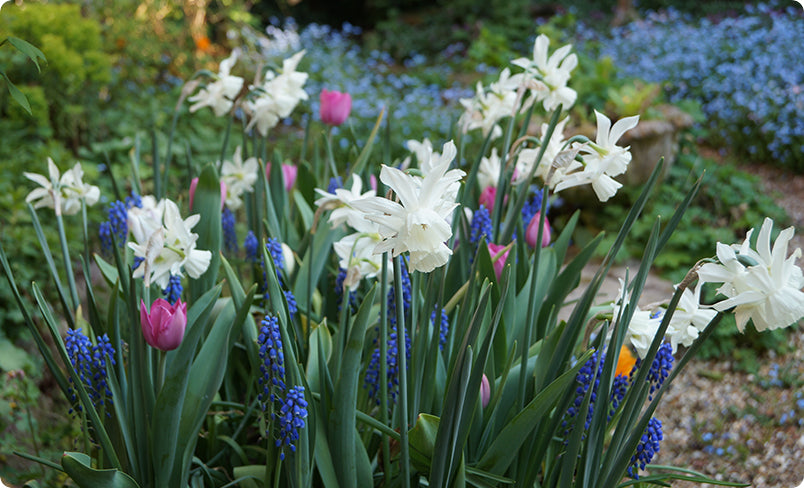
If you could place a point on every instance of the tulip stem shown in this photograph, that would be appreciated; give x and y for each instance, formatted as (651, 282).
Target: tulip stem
(330, 155)
(160, 371)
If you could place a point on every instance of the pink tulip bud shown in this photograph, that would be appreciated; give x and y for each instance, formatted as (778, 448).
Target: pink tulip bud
(373, 182)
(194, 184)
(494, 249)
(532, 232)
(487, 197)
(485, 391)
(163, 327)
(335, 107)
(289, 173)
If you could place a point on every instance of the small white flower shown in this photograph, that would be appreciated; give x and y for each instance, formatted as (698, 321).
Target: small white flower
(341, 203)
(603, 159)
(763, 285)
(419, 223)
(551, 72)
(239, 177)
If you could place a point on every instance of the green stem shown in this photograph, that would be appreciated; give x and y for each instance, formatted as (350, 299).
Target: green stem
(68, 268)
(160, 371)
(386, 445)
(330, 154)
(403, 377)
(225, 143)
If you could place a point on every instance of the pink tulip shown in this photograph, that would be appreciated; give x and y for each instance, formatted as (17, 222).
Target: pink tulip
(289, 173)
(335, 107)
(373, 182)
(494, 249)
(532, 232)
(163, 327)
(194, 184)
(485, 391)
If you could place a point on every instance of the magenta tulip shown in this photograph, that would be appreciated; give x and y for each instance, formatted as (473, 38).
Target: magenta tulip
(485, 391)
(495, 249)
(163, 327)
(194, 184)
(335, 107)
(487, 197)
(532, 232)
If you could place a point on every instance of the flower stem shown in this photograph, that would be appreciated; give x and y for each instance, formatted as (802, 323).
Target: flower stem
(160, 371)
(386, 446)
(68, 268)
(403, 377)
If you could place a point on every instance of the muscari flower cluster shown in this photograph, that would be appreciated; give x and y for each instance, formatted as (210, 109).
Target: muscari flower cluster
(89, 362)
(272, 388)
(588, 378)
(274, 248)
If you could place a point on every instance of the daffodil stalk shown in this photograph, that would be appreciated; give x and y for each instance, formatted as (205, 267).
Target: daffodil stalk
(403, 377)
(383, 339)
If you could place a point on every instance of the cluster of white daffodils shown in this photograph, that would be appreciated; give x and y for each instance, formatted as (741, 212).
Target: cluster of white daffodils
(277, 95)
(268, 101)
(764, 285)
(356, 250)
(62, 193)
(487, 108)
(239, 177)
(419, 222)
(222, 92)
(548, 75)
(164, 242)
(545, 80)
(686, 323)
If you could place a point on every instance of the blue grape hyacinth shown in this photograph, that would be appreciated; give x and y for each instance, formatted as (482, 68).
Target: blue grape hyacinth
(291, 418)
(272, 369)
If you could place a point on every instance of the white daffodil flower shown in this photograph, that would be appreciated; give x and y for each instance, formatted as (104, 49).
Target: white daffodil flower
(356, 255)
(527, 157)
(341, 203)
(553, 72)
(220, 94)
(603, 159)
(239, 177)
(145, 220)
(75, 190)
(418, 223)
(643, 326)
(485, 109)
(489, 171)
(689, 319)
(62, 193)
(170, 248)
(763, 285)
(279, 95)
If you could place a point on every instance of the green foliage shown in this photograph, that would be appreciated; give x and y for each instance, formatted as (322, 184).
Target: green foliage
(77, 65)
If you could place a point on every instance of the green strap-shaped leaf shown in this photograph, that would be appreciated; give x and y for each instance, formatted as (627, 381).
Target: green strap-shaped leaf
(207, 203)
(78, 466)
(343, 423)
(513, 435)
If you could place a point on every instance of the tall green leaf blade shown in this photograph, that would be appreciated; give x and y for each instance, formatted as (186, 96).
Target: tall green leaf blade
(207, 203)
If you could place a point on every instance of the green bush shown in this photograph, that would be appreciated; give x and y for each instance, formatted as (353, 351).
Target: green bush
(77, 66)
